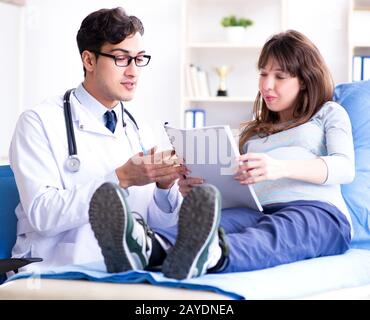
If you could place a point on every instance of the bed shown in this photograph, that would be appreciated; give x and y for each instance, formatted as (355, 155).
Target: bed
(344, 276)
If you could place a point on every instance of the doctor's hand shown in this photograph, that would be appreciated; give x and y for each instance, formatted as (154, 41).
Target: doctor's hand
(186, 183)
(257, 167)
(163, 168)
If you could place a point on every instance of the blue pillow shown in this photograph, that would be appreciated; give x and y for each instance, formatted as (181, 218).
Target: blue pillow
(355, 98)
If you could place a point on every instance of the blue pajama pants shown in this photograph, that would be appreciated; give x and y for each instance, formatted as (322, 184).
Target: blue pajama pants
(284, 233)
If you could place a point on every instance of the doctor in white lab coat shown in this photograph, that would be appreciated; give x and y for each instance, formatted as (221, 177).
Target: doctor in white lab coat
(53, 221)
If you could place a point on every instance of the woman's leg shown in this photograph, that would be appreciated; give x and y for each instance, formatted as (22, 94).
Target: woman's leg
(232, 220)
(286, 233)
(235, 220)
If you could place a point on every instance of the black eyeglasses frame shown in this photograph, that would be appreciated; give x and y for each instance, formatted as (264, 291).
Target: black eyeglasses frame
(130, 58)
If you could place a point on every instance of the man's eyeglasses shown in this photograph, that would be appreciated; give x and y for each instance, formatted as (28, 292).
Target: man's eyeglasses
(125, 60)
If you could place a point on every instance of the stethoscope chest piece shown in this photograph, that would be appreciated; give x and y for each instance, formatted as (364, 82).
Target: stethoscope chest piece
(73, 163)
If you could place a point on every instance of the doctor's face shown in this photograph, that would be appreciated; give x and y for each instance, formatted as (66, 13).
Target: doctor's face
(112, 79)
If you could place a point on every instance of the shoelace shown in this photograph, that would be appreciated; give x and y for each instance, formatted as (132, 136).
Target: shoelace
(222, 242)
(147, 230)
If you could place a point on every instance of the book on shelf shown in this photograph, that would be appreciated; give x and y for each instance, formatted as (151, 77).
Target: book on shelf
(190, 90)
(195, 118)
(197, 85)
(361, 68)
(210, 153)
(203, 83)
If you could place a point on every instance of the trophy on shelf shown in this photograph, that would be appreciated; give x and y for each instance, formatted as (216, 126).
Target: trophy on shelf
(222, 72)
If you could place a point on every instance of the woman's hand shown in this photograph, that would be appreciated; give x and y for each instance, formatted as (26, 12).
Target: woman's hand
(257, 167)
(186, 183)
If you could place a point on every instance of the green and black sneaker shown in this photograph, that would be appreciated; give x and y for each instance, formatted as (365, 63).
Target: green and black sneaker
(125, 242)
(197, 246)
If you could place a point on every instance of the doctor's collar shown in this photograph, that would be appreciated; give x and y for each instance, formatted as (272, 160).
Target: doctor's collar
(93, 105)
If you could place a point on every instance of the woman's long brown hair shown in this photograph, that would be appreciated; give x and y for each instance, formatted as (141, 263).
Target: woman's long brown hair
(299, 57)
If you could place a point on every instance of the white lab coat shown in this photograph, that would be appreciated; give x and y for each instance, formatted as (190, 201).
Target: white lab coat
(53, 213)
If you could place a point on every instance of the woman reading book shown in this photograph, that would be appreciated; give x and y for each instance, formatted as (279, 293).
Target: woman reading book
(296, 152)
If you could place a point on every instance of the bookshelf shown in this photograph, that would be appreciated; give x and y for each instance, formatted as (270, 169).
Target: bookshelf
(220, 45)
(205, 47)
(360, 40)
(220, 99)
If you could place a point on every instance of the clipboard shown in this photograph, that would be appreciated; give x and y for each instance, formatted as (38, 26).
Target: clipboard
(209, 153)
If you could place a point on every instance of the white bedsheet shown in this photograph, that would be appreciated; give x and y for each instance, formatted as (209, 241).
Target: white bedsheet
(290, 281)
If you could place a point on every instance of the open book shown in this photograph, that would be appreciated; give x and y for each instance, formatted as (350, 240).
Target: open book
(210, 153)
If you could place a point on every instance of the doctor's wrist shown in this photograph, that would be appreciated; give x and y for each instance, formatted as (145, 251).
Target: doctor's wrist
(122, 178)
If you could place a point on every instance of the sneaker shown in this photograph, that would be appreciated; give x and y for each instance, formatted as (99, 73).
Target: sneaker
(196, 248)
(125, 241)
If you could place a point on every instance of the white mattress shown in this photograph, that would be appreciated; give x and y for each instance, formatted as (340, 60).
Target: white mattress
(313, 278)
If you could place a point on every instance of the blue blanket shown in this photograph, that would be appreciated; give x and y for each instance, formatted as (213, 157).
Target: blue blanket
(292, 280)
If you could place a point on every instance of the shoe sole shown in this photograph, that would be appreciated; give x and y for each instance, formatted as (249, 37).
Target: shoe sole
(197, 220)
(109, 226)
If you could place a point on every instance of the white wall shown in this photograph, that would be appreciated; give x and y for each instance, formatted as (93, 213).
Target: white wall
(9, 80)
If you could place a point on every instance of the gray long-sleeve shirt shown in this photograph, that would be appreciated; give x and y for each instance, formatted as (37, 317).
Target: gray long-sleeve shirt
(327, 135)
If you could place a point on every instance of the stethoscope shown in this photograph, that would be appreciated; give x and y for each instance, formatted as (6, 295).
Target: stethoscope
(73, 162)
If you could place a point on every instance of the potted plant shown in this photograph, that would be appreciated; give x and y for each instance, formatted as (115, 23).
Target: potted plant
(235, 27)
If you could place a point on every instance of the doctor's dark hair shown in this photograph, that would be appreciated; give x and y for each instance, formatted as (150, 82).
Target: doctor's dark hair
(299, 57)
(106, 25)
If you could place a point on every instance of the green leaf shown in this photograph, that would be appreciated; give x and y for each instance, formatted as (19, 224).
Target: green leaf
(233, 21)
